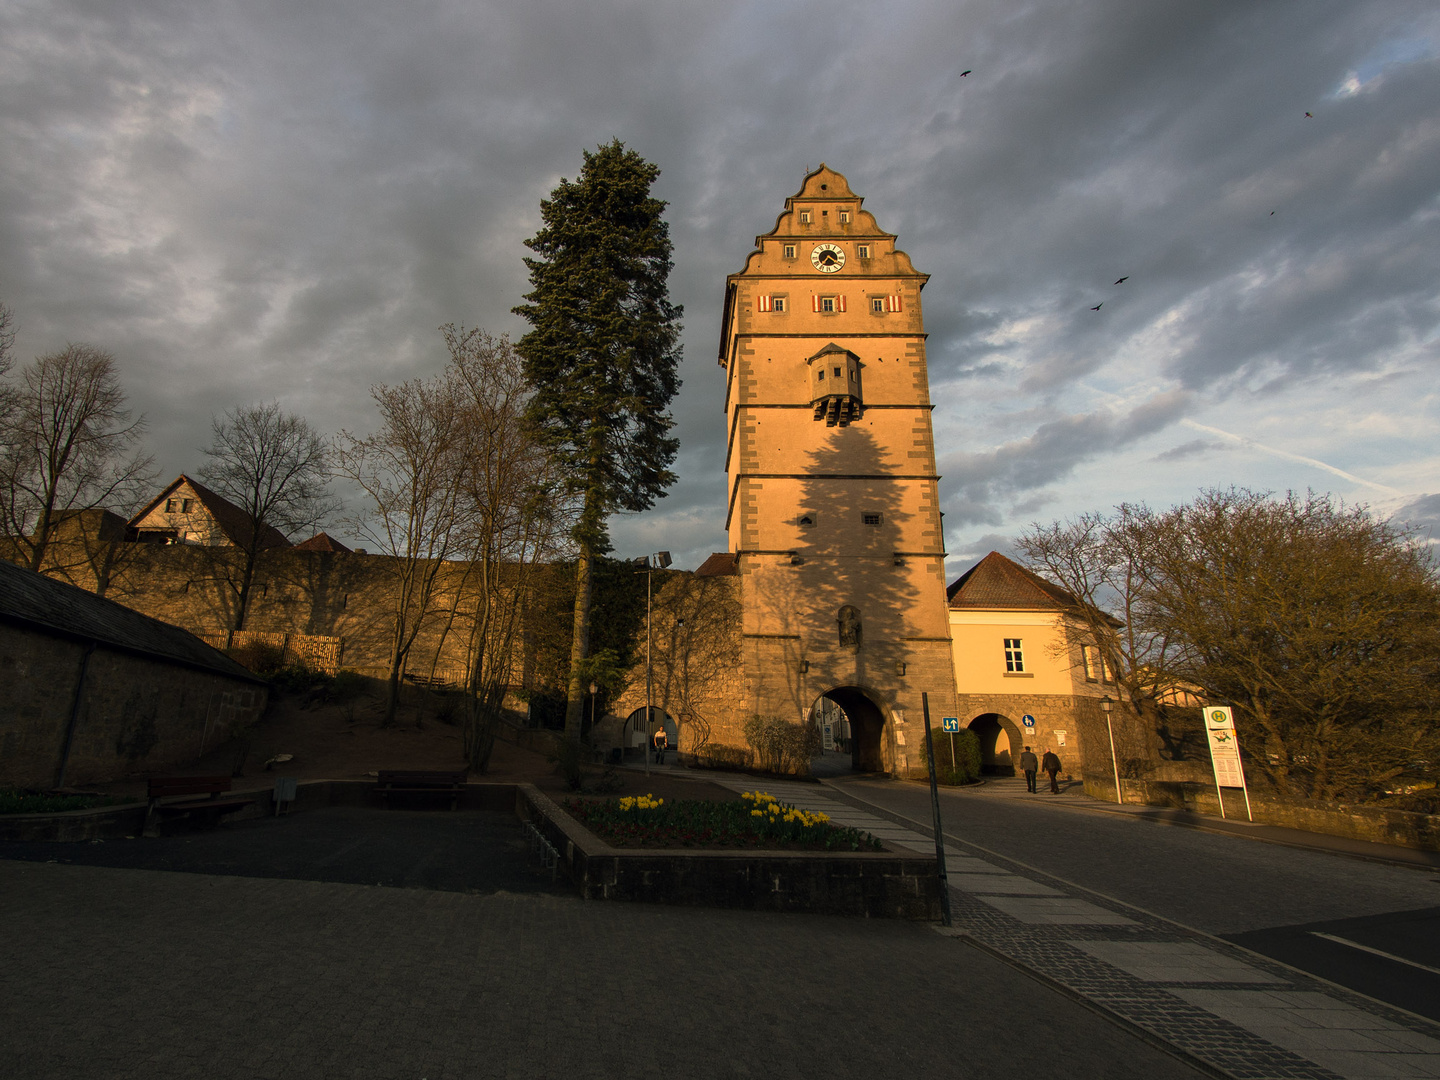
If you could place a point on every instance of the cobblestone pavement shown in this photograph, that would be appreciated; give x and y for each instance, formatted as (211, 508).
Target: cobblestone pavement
(113, 974)
(1236, 1011)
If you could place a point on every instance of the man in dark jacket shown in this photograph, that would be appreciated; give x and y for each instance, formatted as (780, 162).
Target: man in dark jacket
(1051, 764)
(1029, 765)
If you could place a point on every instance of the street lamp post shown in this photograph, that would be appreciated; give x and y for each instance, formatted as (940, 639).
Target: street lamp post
(660, 560)
(1105, 706)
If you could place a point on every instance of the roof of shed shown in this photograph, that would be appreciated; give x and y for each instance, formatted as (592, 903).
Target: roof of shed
(36, 600)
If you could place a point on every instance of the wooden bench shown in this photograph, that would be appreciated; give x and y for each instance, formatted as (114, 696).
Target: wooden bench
(414, 782)
(205, 812)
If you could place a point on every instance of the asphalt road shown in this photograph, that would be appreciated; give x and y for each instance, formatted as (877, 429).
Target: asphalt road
(1381, 923)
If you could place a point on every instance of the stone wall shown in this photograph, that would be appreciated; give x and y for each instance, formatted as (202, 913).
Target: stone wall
(300, 598)
(137, 713)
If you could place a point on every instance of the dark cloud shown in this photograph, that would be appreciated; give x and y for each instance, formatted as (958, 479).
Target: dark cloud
(1192, 449)
(256, 201)
(981, 481)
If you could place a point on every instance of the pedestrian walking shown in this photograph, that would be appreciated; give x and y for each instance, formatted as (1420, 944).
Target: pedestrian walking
(1029, 765)
(1051, 764)
(662, 742)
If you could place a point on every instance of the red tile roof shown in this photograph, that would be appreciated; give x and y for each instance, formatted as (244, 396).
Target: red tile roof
(719, 564)
(233, 521)
(997, 582)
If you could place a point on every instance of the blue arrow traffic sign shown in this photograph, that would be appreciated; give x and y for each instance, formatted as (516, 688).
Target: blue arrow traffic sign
(950, 723)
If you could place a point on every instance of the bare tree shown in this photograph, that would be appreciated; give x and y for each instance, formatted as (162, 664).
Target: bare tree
(70, 444)
(275, 467)
(514, 517)
(1319, 622)
(1102, 561)
(410, 469)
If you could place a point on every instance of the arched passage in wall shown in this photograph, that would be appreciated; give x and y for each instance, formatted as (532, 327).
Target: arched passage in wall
(1000, 743)
(637, 733)
(866, 722)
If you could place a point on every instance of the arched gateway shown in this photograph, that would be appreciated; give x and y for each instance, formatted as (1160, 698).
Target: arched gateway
(864, 726)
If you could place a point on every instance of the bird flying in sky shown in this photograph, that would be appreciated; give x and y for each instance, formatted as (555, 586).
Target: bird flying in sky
(1123, 280)
(1098, 306)
(968, 70)
(1310, 115)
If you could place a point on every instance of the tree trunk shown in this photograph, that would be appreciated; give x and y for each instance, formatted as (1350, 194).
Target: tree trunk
(579, 645)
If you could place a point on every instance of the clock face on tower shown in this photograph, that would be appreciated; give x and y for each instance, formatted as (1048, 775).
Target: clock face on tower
(827, 258)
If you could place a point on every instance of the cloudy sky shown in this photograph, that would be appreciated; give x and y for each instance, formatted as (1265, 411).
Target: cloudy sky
(260, 200)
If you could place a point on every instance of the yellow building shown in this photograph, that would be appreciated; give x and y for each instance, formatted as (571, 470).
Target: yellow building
(1019, 652)
(833, 511)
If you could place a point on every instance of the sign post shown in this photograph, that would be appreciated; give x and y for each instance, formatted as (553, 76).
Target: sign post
(951, 724)
(1225, 754)
(935, 811)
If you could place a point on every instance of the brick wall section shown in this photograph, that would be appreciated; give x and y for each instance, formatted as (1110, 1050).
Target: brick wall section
(137, 714)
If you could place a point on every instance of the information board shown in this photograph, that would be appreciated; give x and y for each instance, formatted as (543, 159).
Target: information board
(1225, 753)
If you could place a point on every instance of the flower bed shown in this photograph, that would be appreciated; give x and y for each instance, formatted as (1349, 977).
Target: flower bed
(756, 820)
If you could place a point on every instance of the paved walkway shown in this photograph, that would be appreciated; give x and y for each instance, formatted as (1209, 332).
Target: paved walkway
(1231, 1009)
(140, 974)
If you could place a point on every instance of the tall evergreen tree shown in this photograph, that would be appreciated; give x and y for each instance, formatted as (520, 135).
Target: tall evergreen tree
(602, 356)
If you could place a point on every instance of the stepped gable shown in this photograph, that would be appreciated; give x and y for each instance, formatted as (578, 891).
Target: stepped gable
(997, 582)
(322, 542)
(719, 564)
(233, 521)
(35, 600)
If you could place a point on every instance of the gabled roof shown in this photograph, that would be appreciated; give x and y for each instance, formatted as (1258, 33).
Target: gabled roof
(997, 582)
(719, 564)
(233, 521)
(32, 599)
(321, 542)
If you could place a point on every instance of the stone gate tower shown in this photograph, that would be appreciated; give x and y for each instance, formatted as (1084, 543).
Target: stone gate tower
(833, 513)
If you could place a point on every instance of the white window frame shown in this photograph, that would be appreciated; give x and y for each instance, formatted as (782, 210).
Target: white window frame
(844, 217)
(862, 251)
(788, 251)
(777, 304)
(804, 217)
(877, 305)
(1014, 656)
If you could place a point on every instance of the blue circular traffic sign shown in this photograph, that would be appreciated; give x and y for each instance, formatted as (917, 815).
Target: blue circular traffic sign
(1028, 720)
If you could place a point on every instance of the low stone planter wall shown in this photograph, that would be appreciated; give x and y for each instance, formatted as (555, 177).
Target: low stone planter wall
(877, 885)
(1370, 823)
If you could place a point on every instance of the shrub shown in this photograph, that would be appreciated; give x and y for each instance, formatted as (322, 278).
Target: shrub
(966, 768)
(782, 747)
(264, 660)
(720, 756)
(32, 802)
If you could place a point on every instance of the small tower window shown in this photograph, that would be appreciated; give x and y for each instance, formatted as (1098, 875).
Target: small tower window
(862, 251)
(877, 305)
(844, 217)
(789, 251)
(827, 304)
(807, 521)
(821, 375)
(778, 303)
(871, 518)
(804, 217)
